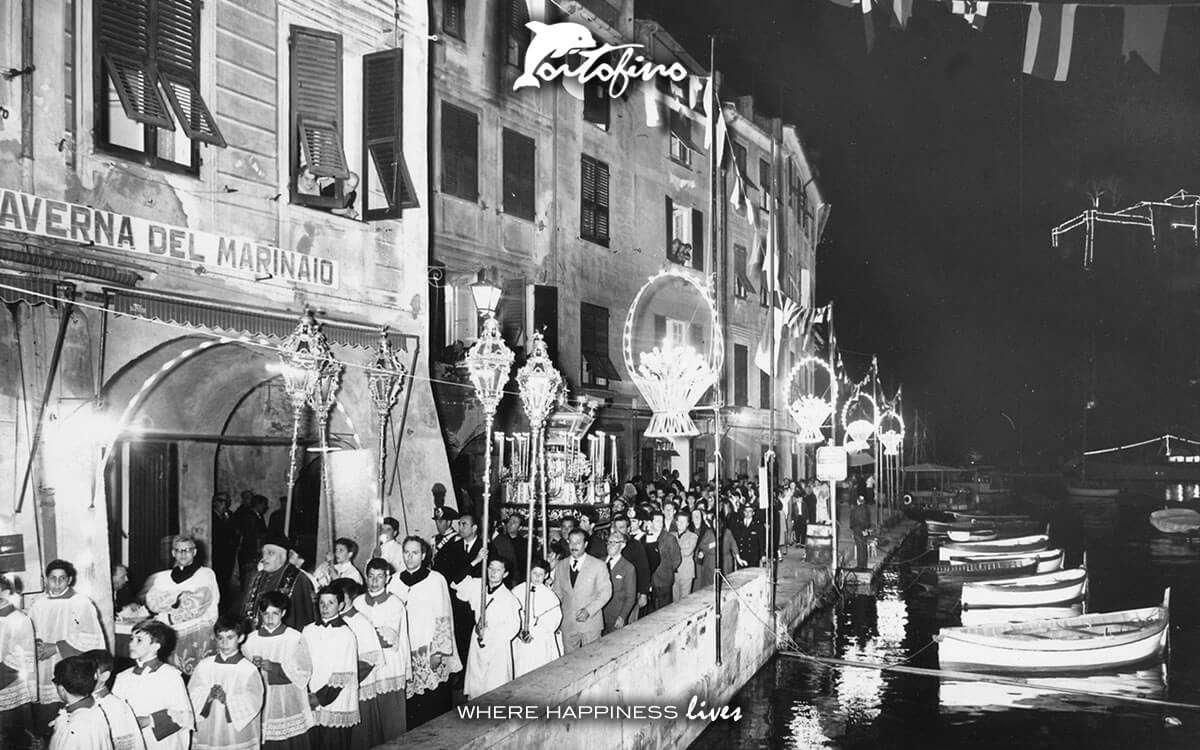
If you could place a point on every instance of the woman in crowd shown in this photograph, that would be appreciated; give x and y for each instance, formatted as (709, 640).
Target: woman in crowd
(706, 549)
(686, 572)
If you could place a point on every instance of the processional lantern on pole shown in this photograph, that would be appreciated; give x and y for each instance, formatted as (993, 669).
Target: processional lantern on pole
(386, 378)
(304, 356)
(673, 375)
(541, 388)
(322, 399)
(489, 362)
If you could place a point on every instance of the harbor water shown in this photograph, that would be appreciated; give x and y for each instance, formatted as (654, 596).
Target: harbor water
(794, 703)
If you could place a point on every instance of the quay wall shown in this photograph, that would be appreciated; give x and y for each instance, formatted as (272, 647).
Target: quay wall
(666, 658)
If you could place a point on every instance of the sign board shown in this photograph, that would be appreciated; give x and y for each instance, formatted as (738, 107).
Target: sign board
(831, 464)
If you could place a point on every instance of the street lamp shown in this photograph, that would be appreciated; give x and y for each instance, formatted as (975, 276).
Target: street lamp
(385, 380)
(486, 296)
(488, 363)
(303, 356)
(541, 389)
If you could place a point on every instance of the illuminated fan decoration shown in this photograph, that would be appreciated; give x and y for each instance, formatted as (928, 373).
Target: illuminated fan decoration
(672, 378)
(859, 431)
(809, 410)
(893, 436)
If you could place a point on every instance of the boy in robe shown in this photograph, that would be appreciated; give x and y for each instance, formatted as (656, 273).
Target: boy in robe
(81, 724)
(66, 623)
(122, 724)
(388, 617)
(340, 563)
(333, 686)
(18, 670)
(282, 656)
(368, 732)
(433, 652)
(497, 622)
(227, 693)
(539, 642)
(155, 690)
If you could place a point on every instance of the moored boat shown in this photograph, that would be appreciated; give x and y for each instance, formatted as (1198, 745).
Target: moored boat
(1096, 493)
(992, 615)
(989, 519)
(949, 573)
(1030, 591)
(971, 535)
(1048, 560)
(1016, 546)
(1176, 521)
(1094, 641)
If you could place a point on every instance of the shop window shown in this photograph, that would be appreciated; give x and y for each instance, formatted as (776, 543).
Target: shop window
(147, 86)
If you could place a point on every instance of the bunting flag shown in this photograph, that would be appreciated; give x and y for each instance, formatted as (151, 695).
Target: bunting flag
(786, 314)
(818, 316)
(1145, 29)
(722, 135)
(708, 113)
(901, 12)
(650, 99)
(735, 198)
(1048, 41)
(695, 87)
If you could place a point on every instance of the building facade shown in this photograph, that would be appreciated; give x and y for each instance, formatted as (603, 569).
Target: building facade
(179, 182)
(570, 205)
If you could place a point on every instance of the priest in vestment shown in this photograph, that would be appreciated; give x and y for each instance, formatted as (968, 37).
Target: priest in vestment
(186, 597)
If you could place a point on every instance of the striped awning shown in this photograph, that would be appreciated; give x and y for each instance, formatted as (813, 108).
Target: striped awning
(194, 312)
(33, 290)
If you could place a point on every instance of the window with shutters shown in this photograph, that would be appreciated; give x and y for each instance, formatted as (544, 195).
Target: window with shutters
(764, 390)
(740, 374)
(147, 85)
(454, 18)
(764, 290)
(460, 152)
(596, 365)
(742, 288)
(517, 36)
(682, 144)
(320, 173)
(519, 181)
(387, 185)
(685, 235)
(764, 179)
(593, 201)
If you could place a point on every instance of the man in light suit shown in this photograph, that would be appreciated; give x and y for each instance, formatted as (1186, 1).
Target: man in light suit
(624, 585)
(583, 586)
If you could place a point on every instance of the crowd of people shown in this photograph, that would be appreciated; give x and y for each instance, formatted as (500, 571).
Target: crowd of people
(282, 654)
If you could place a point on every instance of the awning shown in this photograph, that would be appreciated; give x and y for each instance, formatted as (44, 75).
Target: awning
(37, 253)
(601, 365)
(28, 289)
(190, 311)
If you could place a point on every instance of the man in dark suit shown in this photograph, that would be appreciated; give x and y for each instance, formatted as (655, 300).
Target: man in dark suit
(448, 553)
(596, 546)
(624, 585)
(222, 550)
(663, 577)
(470, 563)
(583, 587)
(635, 552)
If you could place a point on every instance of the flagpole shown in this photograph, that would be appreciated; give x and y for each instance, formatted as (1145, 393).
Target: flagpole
(833, 385)
(773, 283)
(713, 114)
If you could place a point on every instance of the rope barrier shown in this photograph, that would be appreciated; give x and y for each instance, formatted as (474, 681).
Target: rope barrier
(978, 677)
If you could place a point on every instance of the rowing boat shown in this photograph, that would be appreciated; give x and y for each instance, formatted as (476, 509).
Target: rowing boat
(1176, 520)
(989, 519)
(1017, 546)
(947, 573)
(1030, 591)
(1048, 560)
(992, 615)
(1095, 641)
(971, 535)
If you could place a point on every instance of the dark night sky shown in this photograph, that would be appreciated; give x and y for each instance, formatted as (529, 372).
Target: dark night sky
(947, 168)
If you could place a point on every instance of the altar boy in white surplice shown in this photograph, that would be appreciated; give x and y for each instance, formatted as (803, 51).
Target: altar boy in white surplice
(155, 690)
(227, 693)
(490, 663)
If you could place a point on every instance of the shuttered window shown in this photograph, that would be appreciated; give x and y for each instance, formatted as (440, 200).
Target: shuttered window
(597, 366)
(742, 288)
(148, 52)
(517, 36)
(454, 18)
(519, 170)
(764, 176)
(460, 152)
(764, 390)
(596, 103)
(740, 374)
(387, 185)
(593, 203)
(316, 98)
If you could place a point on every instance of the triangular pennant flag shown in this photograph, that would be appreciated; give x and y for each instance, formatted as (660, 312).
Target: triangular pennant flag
(722, 136)
(708, 129)
(735, 197)
(1048, 41)
(650, 99)
(695, 86)
(1145, 28)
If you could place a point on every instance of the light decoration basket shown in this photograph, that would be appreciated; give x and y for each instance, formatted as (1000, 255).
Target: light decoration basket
(671, 377)
(859, 430)
(891, 436)
(810, 410)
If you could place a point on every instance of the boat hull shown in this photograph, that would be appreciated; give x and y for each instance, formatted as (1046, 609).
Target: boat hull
(1093, 492)
(1031, 591)
(1019, 546)
(1048, 560)
(1096, 641)
(949, 573)
(977, 616)
(1176, 521)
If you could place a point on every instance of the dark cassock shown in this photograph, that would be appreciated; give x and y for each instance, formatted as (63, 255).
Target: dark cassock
(276, 574)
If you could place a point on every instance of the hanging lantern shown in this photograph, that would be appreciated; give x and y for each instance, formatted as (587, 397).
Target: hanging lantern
(810, 410)
(673, 377)
(540, 383)
(302, 355)
(488, 363)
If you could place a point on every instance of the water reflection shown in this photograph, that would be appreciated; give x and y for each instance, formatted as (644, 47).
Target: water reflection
(1097, 692)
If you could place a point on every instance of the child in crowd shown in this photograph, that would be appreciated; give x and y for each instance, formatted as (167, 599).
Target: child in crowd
(80, 724)
(333, 687)
(340, 563)
(282, 656)
(18, 670)
(155, 690)
(388, 617)
(227, 693)
(368, 732)
(122, 724)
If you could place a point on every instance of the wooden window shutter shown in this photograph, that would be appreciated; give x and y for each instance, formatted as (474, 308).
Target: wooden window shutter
(697, 239)
(177, 53)
(587, 198)
(518, 174)
(545, 316)
(383, 142)
(511, 312)
(123, 31)
(670, 214)
(602, 202)
(317, 100)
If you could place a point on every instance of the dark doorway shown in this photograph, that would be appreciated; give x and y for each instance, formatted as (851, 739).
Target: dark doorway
(142, 484)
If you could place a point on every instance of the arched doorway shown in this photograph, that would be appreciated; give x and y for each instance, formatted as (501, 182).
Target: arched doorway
(195, 416)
